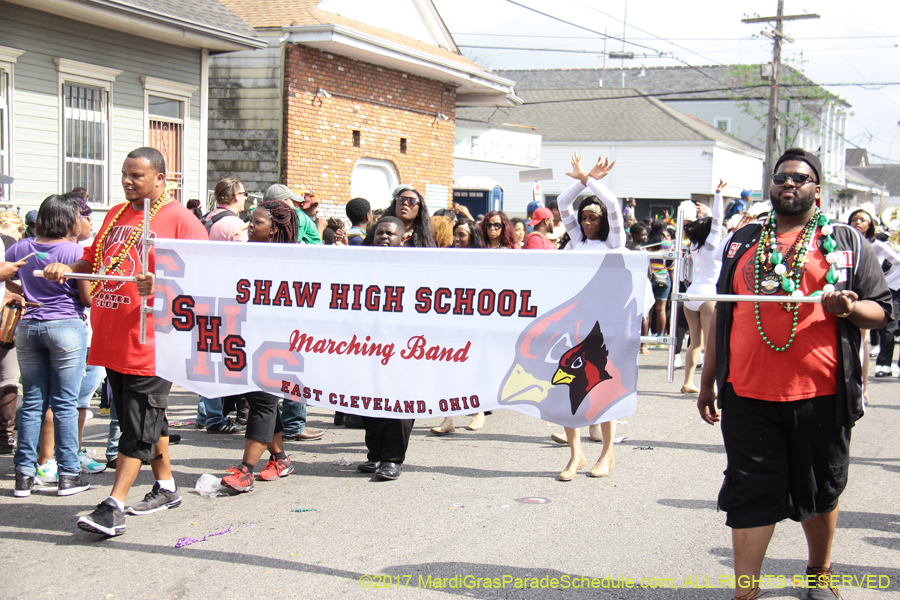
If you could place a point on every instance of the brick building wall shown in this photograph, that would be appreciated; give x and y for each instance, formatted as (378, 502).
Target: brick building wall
(371, 109)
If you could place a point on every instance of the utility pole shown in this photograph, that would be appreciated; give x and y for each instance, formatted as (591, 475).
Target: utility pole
(772, 124)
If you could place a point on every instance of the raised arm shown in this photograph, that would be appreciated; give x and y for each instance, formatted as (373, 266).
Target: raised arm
(617, 238)
(717, 229)
(567, 199)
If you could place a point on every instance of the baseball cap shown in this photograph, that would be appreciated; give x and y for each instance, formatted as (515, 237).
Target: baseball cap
(802, 155)
(745, 194)
(31, 218)
(540, 214)
(533, 206)
(280, 192)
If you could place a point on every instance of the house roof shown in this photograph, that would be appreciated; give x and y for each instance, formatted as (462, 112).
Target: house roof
(309, 25)
(299, 13)
(192, 23)
(599, 115)
(855, 179)
(666, 83)
(856, 157)
(886, 175)
(209, 13)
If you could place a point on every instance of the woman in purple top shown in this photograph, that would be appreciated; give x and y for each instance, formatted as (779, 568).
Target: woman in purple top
(51, 343)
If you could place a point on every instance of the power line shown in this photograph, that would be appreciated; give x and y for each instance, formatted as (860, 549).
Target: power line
(556, 50)
(584, 37)
(643, 31)
(610, 37)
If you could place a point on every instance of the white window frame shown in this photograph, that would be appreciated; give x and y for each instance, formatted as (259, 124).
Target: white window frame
(8, 57)
(74, 72)
(181, 92)
(726, 120)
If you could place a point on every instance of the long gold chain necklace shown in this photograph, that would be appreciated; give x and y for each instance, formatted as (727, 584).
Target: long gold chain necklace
(136, 234)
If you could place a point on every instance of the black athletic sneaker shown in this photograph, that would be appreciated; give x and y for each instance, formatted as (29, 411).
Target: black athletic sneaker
(155, 500)
(226, 426)
(24, 485)
(106, 519)
(71, 484)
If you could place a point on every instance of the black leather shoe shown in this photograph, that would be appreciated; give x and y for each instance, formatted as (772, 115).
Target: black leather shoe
(354, 422)
(389, 471)
(174, 439)
(370, 466)
(339, 418)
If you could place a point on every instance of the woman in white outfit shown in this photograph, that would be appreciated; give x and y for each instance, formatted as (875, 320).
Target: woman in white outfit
(597, 227)
(705, 235)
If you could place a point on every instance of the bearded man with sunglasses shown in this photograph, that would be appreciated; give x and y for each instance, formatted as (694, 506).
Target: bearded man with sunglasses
(789, 404)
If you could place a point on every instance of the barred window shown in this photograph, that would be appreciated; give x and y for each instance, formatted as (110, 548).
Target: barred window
(166, 134)
(86, 139)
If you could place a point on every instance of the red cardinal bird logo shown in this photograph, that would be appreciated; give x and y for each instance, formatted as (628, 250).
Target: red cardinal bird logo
(574, 362)
(583, 367)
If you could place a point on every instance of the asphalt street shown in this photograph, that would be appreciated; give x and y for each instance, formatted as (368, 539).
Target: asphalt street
(456, 517)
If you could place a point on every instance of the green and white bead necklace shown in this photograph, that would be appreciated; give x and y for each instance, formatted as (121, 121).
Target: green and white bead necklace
(787, 276)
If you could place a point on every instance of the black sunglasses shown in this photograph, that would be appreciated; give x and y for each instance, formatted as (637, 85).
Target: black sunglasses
(494, 225)
(407, 200)
(798, 178)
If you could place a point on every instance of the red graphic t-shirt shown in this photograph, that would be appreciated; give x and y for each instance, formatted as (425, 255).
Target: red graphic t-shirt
(535, 241)
(758, 371)
(115, 312)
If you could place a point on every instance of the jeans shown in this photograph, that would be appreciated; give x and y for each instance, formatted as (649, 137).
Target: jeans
(209, 411)
(293, 415)
(93, 376)
(51, 359)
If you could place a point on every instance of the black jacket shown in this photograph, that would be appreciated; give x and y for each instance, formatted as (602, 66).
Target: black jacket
(865, 278)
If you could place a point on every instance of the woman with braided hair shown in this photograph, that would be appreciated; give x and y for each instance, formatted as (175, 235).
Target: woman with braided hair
(272, 222)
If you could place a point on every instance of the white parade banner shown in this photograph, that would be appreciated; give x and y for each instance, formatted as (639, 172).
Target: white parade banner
(404, 333)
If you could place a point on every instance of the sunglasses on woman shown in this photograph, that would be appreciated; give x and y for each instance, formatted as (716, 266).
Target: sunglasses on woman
(410, 200)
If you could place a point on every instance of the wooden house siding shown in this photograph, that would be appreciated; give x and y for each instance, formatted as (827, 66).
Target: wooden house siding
(35, 123)
(245, 117)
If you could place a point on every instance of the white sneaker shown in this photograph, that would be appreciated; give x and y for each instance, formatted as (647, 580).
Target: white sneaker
(895, 371)
(88, 464)
(678, 362)
(46, 473)
(702, 356)
(873, 351)
(882, 371)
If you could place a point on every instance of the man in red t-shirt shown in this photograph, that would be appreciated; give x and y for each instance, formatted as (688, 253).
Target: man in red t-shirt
(140, 397)
(543, 226)
(788, 375)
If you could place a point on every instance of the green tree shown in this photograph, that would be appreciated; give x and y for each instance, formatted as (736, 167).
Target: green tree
(801, 106)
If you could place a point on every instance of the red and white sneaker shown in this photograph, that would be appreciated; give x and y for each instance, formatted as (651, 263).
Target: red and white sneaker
(276, 468)
(239, 479)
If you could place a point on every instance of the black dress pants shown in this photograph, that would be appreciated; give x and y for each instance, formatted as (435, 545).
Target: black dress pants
(387, 439)
(886, 335)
